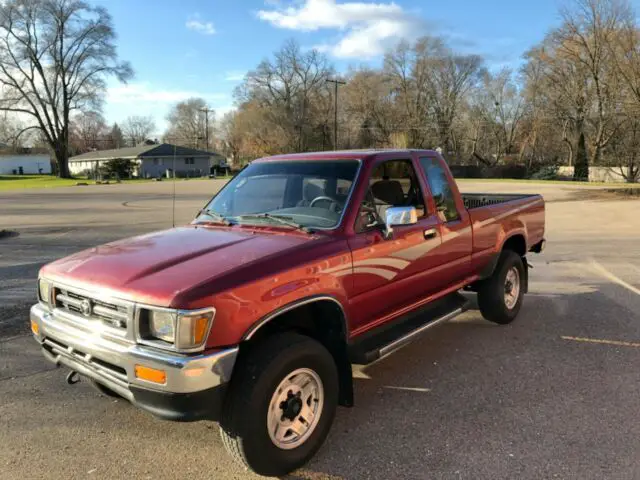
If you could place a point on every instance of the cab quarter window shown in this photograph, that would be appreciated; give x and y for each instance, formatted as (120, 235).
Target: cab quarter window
(440, 189)
(392, 184)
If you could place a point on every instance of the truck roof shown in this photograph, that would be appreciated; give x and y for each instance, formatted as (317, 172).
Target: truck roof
(341, 154)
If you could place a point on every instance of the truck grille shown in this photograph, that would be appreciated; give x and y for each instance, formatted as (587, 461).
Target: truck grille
(115, 313)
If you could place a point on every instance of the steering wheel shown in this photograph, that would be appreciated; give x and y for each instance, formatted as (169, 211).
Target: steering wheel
(333, 205)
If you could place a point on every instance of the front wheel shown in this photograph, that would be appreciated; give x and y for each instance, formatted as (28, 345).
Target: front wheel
(500, 297)
(280, 405)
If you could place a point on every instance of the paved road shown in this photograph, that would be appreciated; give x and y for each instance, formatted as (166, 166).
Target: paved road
(541, 398)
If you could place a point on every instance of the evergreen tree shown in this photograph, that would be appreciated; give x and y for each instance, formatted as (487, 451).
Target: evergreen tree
(581, 170)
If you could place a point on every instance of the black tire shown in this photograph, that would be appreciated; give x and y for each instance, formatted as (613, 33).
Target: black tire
(106, 391)
(257, 375)
(491, 294)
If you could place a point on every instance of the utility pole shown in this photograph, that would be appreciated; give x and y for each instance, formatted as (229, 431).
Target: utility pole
(335, 107)
(206, 123)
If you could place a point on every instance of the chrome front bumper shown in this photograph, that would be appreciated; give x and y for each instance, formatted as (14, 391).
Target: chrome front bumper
(111, 361)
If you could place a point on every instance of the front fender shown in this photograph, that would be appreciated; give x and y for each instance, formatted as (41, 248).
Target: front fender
(242, 310)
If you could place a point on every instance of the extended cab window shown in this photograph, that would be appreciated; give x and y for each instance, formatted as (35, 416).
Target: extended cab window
(440, 189)
(392, 184)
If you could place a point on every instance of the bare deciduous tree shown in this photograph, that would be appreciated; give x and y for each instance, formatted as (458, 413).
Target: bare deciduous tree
(88, 132)
(187, 126)
(232, 136)
(588, 30)
(432, 82)
(136, 129)
(55, 56)
(289, 88)
(372, 114)
(115, 138)
(14, 133)
(498, 106)
(575, 100)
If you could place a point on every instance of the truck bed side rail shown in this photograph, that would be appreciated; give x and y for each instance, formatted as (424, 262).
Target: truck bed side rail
(477, 200)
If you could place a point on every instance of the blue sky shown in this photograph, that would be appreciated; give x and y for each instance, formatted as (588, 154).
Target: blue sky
(203, 47)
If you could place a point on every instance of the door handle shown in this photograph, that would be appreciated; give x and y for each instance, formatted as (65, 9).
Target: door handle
(430, 233)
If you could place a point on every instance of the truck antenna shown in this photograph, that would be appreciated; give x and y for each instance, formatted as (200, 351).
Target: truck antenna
(173, 206)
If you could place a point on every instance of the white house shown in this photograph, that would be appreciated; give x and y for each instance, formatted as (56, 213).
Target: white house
(27, 163)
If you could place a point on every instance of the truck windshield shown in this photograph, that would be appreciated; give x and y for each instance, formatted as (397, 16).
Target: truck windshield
(308, 193)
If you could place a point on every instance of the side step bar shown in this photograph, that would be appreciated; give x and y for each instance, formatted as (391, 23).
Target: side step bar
(386, 340)
(411, 336)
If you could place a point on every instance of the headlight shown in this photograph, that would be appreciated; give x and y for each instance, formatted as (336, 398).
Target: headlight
(44, 291)
(162, 325)
(176, 329)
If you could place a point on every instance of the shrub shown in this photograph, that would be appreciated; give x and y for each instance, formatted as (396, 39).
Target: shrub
(119, 167)
(548, 172)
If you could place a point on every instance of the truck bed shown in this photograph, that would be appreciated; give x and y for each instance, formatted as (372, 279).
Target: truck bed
(478, 200)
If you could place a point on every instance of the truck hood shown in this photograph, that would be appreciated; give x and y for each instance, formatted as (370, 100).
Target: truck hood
(156, 268)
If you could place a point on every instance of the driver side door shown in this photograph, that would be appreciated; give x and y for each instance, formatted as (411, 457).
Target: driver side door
(392, 274)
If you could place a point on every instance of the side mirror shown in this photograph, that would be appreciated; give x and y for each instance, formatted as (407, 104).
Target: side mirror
(399, 216)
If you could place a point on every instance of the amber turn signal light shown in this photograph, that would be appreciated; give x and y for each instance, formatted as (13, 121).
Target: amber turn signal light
(193, 330)
(200, 329)
(150, 374)
(35, 328)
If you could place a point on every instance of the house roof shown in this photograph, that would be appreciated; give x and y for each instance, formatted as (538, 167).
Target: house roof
(142, 151)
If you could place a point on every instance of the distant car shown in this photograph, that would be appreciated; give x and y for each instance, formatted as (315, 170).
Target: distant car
(300, 266)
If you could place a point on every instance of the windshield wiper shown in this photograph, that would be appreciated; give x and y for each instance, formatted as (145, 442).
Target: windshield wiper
(278, 218)
(216, 216)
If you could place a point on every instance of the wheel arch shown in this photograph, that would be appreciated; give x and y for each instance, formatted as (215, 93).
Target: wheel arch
(321, 317)
(515, 242)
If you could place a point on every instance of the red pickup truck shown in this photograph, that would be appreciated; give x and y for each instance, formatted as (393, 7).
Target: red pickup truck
(302, 265)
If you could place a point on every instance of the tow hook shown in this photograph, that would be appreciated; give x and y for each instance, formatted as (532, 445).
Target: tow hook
(73, 378)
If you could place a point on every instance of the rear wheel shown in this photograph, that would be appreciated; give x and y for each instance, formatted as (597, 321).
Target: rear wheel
(280, 405)
(500, 297)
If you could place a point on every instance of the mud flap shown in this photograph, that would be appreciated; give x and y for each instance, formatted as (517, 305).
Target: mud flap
(527, 266)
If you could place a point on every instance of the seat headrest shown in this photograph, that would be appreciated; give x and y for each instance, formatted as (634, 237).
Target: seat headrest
(389, 191)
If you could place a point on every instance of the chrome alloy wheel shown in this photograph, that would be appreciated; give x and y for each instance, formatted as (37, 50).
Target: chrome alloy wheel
(295, 409)
(511, 288)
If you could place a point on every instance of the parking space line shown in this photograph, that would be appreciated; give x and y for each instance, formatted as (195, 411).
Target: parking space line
(602, 341)
(357, 371)
(304, 474)
(610, 276)
(408, 389)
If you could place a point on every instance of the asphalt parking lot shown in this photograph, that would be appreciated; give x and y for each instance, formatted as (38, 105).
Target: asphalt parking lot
(554, 395)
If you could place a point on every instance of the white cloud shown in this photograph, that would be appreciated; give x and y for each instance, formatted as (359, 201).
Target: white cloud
(145, 92)
(222, 109)
(367, 28)
(143, 98)
(196, 24)
(234, 76)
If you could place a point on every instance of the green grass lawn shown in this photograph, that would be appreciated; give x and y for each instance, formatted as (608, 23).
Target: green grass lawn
(19, 182)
